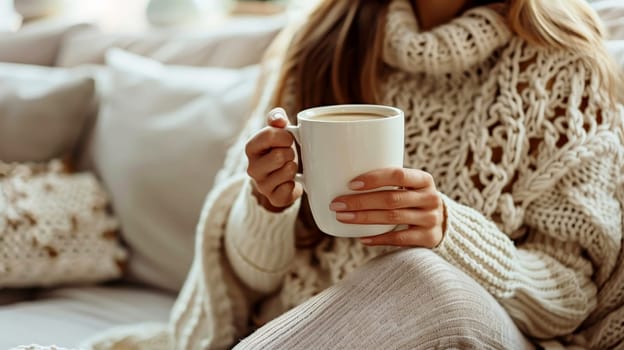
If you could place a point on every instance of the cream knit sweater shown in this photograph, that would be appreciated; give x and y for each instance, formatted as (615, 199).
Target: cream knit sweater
(522, 144)
(524, 148)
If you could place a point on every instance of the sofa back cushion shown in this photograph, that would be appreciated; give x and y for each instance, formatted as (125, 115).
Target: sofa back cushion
(235, 45)
(36, 44)
(159, 140)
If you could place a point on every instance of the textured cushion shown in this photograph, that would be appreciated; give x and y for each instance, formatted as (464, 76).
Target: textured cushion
(54, 228)
(42, 111)
(236, 45)
(159, 140)
(36, 44)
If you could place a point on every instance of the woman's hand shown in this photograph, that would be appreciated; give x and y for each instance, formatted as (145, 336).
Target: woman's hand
(418, 205)
(273, 164)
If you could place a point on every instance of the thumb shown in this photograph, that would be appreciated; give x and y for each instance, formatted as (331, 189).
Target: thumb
(277, 118)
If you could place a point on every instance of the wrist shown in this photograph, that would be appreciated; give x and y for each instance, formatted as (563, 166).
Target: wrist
(264, 200)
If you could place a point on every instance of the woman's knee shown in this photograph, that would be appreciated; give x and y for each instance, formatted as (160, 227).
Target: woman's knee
(407, 299)
(421, 268)
(421, 275)
(438, 301)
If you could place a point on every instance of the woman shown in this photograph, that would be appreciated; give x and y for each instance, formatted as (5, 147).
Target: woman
(511, 209)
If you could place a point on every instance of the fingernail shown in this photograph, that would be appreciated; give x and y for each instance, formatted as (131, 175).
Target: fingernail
(356, 185)
(345, 216)
(337, 206)
(276, 116)
(366, 240)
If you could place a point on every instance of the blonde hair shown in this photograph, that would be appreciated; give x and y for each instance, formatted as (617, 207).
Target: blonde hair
(335, 57)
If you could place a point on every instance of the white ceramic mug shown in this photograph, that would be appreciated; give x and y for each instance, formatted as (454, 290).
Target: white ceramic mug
(347, 141)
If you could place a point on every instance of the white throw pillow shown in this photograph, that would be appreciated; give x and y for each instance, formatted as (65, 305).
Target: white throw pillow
(159, 140)
(42, 111)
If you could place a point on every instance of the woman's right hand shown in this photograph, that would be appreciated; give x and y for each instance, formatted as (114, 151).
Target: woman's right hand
(273, 164)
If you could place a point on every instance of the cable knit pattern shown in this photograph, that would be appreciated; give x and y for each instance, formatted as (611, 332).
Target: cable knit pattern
(465, 42)
(527, 152)
(523, 144)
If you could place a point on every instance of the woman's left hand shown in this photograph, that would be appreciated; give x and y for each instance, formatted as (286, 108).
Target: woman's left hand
(417, 205)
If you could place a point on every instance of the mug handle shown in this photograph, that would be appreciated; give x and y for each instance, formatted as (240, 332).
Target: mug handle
(294, 131)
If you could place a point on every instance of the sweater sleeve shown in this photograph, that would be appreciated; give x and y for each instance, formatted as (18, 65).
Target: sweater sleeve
(549, 282)
(260, 244)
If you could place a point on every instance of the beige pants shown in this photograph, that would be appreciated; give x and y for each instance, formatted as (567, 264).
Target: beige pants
(410, 299)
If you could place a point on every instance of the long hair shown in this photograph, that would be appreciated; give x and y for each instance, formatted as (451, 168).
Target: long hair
(335, 57)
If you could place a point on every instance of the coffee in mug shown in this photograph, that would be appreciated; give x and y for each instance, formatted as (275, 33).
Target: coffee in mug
(339, 143)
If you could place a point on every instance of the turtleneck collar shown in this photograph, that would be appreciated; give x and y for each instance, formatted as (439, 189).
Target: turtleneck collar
(452, 47)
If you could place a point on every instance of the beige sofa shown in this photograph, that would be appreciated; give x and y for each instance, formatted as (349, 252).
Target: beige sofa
(144, 152)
